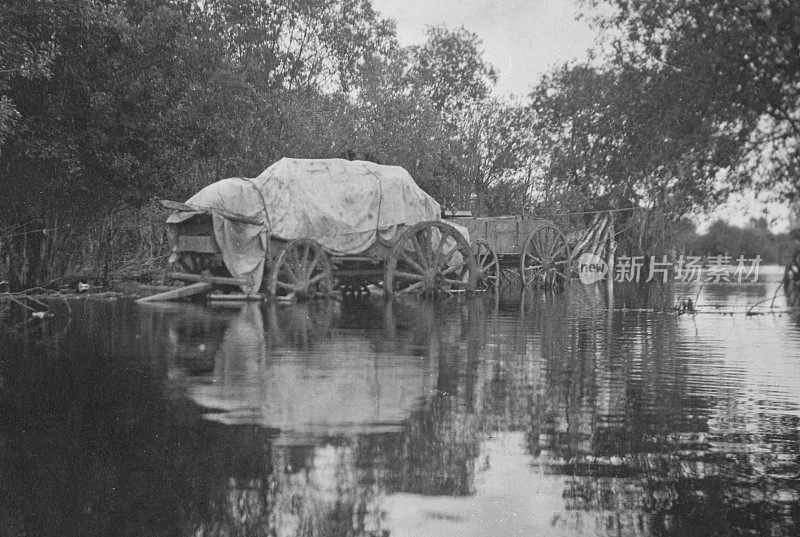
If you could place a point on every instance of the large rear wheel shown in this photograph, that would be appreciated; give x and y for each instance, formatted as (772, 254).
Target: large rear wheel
(430, 259)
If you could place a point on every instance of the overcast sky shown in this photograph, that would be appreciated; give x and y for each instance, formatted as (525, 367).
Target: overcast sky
(521, 38)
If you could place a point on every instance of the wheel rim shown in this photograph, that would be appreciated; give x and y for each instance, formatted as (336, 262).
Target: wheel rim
(545, 259)
(301, 270)
(487, 266)
(430, 258)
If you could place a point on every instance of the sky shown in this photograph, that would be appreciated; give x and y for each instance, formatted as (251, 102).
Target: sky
(522, 39)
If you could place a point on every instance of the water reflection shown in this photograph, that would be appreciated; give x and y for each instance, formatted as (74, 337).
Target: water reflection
(288, 373)
(553, 415)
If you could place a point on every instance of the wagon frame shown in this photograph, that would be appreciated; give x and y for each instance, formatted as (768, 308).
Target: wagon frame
(532, 251)
(421, 260)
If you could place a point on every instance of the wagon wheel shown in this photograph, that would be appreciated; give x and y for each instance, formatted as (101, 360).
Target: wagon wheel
(301, 270)
(791, 281)
(430, 258)
(545, 259)
(487, 265)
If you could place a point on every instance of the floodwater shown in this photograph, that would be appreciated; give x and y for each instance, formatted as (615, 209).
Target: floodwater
(555, 415)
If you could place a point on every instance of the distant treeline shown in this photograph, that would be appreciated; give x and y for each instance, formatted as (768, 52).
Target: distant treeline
(750, 241)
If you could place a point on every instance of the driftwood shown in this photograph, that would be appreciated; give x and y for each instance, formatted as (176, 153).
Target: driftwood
(219, 280)
(238, 297)
(157, 288)
(181, 292)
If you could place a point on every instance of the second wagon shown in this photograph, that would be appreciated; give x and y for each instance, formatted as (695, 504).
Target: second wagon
(532, 248)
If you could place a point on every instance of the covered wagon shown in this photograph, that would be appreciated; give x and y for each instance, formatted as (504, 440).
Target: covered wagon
(306, 226)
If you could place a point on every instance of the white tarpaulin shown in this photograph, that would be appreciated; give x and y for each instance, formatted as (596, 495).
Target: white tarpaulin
(346, 206)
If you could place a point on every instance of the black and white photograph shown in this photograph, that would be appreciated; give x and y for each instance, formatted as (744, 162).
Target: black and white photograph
(399, 268)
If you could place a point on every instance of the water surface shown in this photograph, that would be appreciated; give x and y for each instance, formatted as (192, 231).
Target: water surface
(552, 415)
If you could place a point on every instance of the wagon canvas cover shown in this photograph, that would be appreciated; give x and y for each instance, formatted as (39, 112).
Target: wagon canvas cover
(346, 206)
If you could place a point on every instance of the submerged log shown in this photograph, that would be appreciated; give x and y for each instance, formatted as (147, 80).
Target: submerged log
(231, 297)
(181, 292)
(219, 280)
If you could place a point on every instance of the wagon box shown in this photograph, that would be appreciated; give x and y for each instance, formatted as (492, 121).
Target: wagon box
(306, 226)
(534, 249)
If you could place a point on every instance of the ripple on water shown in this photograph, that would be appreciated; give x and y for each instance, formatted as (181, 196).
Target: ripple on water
(552, 416)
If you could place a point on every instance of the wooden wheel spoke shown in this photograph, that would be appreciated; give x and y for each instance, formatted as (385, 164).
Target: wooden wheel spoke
(488, 268)
(537, 245)
(450, 255)
(284, 285)
(439, 249)
(288, 270)
(306, 251)
(318, 278)
(454, 282)
(534, 265)
(552, 242)
(487, 257)
(411, 288)
(409, 276)
(420, 252)
(411, 262)
(454, 268)
(310, 269)
(293, 253)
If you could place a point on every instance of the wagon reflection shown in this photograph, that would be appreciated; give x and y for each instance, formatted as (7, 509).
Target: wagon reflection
(279, 368)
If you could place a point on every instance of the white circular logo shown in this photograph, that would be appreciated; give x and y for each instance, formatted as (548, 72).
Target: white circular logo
(591, 268)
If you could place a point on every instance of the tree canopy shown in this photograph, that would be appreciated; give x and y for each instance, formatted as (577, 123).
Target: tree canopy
(736, 63)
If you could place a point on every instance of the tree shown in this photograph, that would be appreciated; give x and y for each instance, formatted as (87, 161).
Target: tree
(620, 137)
(450, 68)
(484, 151)
(737, 62)
(492, 153)
(300, 44)
(26, 53)
(94, 130)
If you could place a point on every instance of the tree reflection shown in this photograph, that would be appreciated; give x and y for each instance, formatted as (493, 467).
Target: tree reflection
(617, 411)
